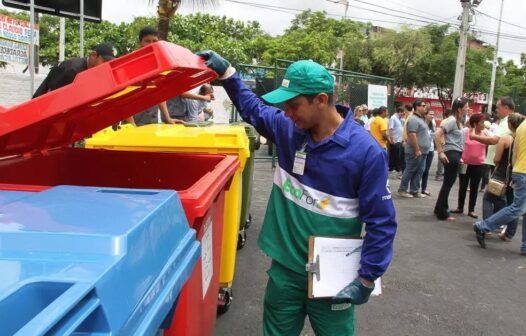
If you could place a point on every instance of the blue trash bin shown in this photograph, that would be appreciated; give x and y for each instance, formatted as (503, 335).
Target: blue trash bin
(92, 261)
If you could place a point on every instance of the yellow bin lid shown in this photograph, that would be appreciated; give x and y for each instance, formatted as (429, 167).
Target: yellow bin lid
(213, 139)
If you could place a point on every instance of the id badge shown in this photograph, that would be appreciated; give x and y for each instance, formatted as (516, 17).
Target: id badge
(299, 163)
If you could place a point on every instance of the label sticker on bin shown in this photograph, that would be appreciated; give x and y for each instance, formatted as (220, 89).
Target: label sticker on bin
(207, 256)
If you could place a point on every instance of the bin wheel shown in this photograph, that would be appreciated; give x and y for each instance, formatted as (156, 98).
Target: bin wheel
(225, 300)
(248, 222)
(241, 239)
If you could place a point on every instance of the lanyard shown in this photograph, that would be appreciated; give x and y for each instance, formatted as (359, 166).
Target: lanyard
(300, 159)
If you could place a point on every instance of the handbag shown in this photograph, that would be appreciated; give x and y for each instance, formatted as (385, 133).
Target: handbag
(497, 187)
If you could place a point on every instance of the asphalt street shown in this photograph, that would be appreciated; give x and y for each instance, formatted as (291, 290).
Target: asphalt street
(439, 283)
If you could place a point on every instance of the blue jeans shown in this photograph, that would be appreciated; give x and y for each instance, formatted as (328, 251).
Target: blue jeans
(492, 204)
(425, 175)
(511, 212)
(414, 168)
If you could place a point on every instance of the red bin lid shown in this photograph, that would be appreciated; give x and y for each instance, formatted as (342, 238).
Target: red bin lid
(100, 97)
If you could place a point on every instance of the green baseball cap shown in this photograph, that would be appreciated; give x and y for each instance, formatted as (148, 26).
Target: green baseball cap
(302, 77)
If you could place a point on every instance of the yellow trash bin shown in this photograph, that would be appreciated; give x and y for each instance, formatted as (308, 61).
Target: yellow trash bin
(213, 139)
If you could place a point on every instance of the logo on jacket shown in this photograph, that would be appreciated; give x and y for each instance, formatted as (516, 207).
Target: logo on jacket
(303, 195)
(388, 196)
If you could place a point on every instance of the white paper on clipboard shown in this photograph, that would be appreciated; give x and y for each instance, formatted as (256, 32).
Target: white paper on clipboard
(339, 262)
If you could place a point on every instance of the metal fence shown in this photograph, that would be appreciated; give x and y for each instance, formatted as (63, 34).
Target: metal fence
(351, 88)
(520, 101)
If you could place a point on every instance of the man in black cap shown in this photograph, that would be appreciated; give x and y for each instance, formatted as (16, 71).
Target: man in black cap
(65, 72)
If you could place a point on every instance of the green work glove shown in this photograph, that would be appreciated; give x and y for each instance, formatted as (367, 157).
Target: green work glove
(355, 293)
(215, 62)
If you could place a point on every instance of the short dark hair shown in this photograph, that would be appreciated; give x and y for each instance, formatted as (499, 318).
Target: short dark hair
(515, 120)
(476, 118)
(310, 97)
(408, 107)
(145, 31)
(508, 102)
(416, 103)
(376, 112)
(203, 88)
(399, 110)
(382, 109)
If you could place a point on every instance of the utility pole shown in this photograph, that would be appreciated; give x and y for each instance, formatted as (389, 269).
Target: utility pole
(62, 40)
(341, 52)
(458, 86)
(495, 59)
(81, 28)
(32, 48)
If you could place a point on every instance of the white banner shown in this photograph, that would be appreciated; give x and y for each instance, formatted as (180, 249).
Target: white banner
(14, 52)
(376, 96)
(17, 30)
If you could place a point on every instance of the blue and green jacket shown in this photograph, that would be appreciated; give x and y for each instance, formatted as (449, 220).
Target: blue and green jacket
(344, 185)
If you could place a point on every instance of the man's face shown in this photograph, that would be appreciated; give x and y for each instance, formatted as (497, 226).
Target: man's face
(502, 110)
(148, 39)
(384, 114)
(95, 59)
(305, 115)
(421, 108)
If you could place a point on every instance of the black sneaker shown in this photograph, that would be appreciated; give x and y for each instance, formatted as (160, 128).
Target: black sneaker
(480, 236)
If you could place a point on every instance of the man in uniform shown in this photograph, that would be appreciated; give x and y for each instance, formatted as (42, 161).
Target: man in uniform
(331, 178)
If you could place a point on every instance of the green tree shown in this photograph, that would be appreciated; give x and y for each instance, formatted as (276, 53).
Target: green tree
(315, 36)
(237, 41)
(398, 54)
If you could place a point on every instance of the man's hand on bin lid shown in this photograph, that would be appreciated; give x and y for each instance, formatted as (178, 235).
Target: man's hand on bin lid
(356, 293)
(217, 63)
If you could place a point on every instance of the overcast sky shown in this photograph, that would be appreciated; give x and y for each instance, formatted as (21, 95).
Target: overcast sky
(414, 12)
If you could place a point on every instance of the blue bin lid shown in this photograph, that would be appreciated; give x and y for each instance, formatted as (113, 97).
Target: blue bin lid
(98, 259)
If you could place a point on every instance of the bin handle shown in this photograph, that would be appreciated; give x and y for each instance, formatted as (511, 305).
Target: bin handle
(65, 314)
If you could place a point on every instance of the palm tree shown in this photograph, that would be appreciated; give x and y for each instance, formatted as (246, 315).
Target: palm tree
(167, 9)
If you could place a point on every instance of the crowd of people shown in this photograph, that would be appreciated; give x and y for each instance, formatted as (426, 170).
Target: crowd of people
(188, 107)
(487, 155)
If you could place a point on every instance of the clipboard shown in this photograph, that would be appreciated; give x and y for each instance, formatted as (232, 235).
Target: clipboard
(333, 263)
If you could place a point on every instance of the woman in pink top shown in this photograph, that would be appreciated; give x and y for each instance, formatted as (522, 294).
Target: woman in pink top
(474, 156)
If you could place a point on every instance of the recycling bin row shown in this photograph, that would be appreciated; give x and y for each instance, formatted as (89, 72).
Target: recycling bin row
(207, 138)
(112, 242)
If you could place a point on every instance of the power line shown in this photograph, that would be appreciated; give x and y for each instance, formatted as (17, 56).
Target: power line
(496, 19)
(397, 11)
(294, 11)
(280, 8)
(421, 11)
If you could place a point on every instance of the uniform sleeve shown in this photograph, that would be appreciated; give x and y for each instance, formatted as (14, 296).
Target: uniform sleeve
(378, 213)
(266, 119)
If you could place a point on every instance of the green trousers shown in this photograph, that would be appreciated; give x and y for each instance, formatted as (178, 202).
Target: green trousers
(287, 304)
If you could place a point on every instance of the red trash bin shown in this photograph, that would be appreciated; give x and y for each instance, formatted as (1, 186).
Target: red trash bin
(35, 139)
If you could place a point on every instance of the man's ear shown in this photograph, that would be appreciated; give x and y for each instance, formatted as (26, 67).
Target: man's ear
(322, 98)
